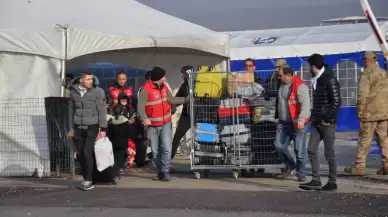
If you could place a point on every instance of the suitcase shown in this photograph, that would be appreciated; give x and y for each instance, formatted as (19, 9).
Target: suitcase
(232, 129)
(209, 83)
(105, 176)
(234, 111)
(208, 137)
(209, 147)
(236, 79)
(207, 127)
(233, 107)
(236, 139)
(206, 110)
(240, 155)
(206, 158)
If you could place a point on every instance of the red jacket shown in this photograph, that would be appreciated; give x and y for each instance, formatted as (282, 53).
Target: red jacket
(157, 108)
(115, 90)
(293, 102)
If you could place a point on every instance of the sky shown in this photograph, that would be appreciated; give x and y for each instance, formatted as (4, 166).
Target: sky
(234, 15)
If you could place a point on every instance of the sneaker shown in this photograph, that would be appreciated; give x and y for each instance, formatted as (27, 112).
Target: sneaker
(286, 173)
(122, 172)
(87, 185)
(313, 185)
(158, 177)
(114, 180)
(354, 171)
(330, 186)
(302, 179)
(166, 177)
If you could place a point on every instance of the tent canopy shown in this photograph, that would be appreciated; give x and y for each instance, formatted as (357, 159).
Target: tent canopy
(298, 42)
(96, 26)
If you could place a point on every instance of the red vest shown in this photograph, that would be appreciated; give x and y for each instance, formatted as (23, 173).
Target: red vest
(157, 109)
(293, 102)
(114, 93)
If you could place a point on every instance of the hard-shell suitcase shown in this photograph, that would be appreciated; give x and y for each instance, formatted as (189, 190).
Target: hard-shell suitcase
(234, 111)
(207, 158)
(240, 155)
(209, 84)
(207, 127)
(240, 119)
(209, 147)
(231, 129)
(235, 134)
(205, 110)
(204, 136)
(236, 139)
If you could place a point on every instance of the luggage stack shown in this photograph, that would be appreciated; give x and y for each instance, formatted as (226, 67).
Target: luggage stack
(209, 150)
(225, 133)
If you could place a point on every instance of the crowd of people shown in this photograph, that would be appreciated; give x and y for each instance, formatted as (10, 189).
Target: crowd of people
(129, 119)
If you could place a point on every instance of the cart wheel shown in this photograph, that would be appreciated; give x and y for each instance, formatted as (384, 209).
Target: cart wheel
(205, 173)
(197, 175)
(235, 174)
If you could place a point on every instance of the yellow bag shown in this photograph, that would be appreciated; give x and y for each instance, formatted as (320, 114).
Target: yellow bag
(209, 82)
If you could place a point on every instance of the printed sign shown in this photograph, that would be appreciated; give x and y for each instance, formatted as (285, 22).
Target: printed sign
(265, 40)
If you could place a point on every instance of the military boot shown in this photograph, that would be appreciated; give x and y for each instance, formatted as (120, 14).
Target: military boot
(382, 171)
(354, 171)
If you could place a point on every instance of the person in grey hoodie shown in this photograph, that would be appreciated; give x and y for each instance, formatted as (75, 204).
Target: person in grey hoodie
(88, 112)
(293, 114)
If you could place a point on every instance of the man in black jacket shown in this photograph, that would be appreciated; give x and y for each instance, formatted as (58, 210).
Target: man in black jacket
(326, 103)
(184, 121)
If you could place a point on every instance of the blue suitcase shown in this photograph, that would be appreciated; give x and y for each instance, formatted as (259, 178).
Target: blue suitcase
(208, 137)
(207, 127)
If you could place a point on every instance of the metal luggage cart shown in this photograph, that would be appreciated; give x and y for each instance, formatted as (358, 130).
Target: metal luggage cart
(239, 153)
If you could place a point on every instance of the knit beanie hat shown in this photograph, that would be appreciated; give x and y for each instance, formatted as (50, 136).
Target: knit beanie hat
(157, 73)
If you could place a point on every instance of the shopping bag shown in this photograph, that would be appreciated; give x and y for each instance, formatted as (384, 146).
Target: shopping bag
(104, 154)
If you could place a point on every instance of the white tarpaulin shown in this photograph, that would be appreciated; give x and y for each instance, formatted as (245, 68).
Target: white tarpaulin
(298, 42)
(32, 47)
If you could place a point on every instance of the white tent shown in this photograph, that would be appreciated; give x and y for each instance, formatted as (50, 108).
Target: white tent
(38, 36)
(299, 42)
(29, 34)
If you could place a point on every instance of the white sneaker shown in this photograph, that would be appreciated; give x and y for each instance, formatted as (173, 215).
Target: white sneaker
(87, 185)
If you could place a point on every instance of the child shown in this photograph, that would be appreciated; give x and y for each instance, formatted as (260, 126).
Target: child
(122, 132)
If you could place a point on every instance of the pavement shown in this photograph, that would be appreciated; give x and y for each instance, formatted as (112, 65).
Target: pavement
(218, 195)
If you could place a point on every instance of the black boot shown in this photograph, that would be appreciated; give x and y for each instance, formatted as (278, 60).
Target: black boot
(330, 186)
(310, 186)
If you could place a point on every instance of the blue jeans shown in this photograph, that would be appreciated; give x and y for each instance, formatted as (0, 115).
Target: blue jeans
(285, 132)
(161, 145)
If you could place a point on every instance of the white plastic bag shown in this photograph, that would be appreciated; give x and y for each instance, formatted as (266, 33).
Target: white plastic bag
(104, 154)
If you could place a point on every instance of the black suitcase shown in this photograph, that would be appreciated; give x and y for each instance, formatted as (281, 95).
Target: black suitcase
(209, 159)
(105, 176)
(206, 110)
(209, 147)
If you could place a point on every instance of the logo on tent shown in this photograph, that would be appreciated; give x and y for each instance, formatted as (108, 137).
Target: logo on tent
(265, 40)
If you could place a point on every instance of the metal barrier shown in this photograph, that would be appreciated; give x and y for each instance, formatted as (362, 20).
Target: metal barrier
(228, 132)
(33, 138)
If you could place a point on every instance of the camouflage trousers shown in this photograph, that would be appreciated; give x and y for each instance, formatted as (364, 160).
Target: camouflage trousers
(367, 130)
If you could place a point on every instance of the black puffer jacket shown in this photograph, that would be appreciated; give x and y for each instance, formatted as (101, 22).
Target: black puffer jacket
(326, 98)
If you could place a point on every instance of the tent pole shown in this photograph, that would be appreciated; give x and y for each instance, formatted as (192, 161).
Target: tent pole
(64, 58)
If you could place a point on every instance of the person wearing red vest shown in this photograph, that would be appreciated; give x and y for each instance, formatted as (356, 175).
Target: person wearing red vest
(154, 107)
(293, 114)
(119, 86)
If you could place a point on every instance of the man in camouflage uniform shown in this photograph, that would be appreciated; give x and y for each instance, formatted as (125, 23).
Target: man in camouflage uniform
(372, 110)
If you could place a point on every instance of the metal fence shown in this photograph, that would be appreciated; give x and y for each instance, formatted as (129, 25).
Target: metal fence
(229, 132)
(33, 138)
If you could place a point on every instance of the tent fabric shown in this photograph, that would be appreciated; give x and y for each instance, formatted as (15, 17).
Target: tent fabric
(299, 42)
(96, 26)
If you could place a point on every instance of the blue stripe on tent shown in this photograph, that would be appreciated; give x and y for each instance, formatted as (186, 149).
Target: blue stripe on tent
(347, 117)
